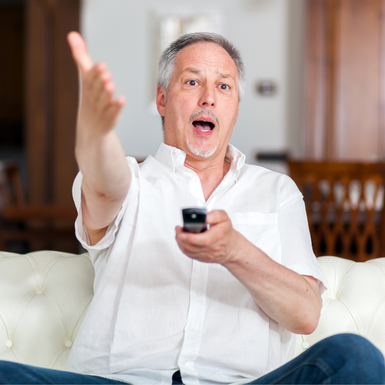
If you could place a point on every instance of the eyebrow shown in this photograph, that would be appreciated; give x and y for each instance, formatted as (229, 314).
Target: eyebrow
(193, 70)
(200, 72)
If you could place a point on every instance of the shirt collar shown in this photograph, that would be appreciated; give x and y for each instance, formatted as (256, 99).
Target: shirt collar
(236, 158)
(170, 156)
(173, 157)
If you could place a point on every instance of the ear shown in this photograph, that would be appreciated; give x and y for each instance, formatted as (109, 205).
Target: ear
(161, 100)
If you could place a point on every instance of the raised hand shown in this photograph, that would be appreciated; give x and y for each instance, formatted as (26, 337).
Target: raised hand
(98, 110)
(99, 153)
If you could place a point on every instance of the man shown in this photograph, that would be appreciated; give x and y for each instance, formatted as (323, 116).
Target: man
(218, 307)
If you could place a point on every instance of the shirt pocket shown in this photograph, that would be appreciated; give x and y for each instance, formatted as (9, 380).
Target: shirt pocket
(261, 229)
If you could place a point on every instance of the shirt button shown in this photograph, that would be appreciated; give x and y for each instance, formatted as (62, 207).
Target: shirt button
(9, 344)
(198, 293)
(68, 344)
(185, 362)
(193, 330)
(305, 344)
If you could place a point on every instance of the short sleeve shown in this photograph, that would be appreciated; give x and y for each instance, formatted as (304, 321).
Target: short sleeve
(297, 251)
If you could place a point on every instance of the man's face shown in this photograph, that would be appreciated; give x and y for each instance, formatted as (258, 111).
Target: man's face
(201, 105)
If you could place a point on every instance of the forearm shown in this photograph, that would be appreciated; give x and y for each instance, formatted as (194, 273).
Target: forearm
(290, 299)
(106, 179)
(102, 161)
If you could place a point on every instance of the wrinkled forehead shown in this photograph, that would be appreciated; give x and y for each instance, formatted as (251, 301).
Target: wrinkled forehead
(202, 55)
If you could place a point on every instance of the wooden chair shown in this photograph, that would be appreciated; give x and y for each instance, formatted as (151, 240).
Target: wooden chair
(345, 207)
(31, 224)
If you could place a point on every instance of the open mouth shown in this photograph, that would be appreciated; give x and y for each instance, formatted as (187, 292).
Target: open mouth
(203, 125)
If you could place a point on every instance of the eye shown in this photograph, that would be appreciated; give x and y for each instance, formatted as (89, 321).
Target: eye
(192, 82)
(224, 87)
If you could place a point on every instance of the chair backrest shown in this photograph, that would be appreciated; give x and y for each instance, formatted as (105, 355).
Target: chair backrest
(345, 206)
(11, 192)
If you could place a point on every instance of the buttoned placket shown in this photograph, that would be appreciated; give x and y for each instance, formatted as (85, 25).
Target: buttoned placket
(198, 287)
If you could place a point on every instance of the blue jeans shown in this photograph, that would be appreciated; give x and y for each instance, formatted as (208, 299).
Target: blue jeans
(340, 359)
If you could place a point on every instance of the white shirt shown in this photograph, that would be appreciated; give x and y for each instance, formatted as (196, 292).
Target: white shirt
(155, 310)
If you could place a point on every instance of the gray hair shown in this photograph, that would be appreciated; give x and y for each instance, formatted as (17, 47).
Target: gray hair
(167, 59)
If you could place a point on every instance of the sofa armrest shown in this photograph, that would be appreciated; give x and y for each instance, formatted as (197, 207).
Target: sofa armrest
(353, 303)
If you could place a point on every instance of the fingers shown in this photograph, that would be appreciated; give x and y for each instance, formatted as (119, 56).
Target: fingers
(213, 218)
(79, 51)
(98, 93)
(106, 96)
(99, 84)
(220, 244)
(99, 111)
(114, 109)
(217, 216)
(191, 243)
(184, 235)
(106, 89)
(209, 246)
(196, 240)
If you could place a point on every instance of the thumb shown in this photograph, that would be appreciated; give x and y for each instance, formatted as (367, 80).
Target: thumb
(79, 51)
(216, 216)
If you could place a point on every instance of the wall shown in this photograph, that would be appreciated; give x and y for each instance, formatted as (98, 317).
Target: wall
(269, 34)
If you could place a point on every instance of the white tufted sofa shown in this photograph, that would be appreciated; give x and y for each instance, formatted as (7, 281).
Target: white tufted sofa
(44, 296)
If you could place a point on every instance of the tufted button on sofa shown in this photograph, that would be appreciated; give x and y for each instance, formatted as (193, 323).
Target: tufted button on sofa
(45, 295)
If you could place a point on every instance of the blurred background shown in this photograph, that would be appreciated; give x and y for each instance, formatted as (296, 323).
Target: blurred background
(314, 72)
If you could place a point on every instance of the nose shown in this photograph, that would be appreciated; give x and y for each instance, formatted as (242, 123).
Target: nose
(207, 98)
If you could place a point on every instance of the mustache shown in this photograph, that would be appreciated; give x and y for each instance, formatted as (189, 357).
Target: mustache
(204, 112)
